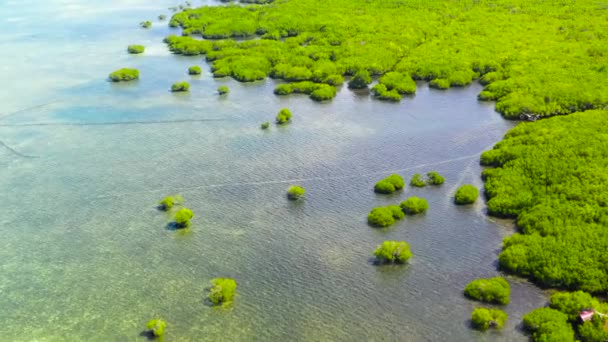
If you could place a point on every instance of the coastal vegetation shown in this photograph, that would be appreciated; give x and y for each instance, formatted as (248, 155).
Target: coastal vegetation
(484, 319)
(414, 205)
(536, 57)
(284, 116)
(180, 86)
(417, 181)
(124, 75)
(265, 125)
(389, 184)
(156, 327)
(182, 217)
(145, 24)
(295, 192)
(194, 70)
(222, 90)
(385, 216)
(135, 49)
(162, 17)
(393, 252)
(316, 91)
(466, 194)
(222, 291)
(547, 324)
(493, 290)
(168, 202)
(434, 178)
(550, 175)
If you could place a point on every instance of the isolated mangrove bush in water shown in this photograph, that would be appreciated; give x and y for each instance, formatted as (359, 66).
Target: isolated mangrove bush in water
(317, 91)
(156, 327)
(124, 75)
(168, 202)
(222, 291)
(389, 184)
(194, 70)
(265, 125)
(466, 194)
(385, 216)
(484, 319)
(284, 116)
(393, 251)
(493, 290)
(180, 86)
(135, 49)
(537, 56)
(417, 180)
(551, 176)
(222, 90)
(414, 205)
(182, 217)
(295, 192)
(434, 178)
(145, 24)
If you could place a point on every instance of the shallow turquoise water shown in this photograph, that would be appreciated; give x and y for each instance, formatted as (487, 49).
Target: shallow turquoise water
(87, 257)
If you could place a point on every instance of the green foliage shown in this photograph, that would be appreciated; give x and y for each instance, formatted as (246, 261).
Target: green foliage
(180, 86)
(317, 91)
(157, 327)
(295, 192)
(145, 24)
(540, 57)
(414, 205)
(265, 125)
(417, 181)
(483, 319)
(393, 251)
(124, 75)
(593, 330)
(466, 194)
(572, 303)
(492, 290)
(162, 17)
(135, 49)
(183, 216)
(194, 70)
(548, 325)
(434, 178)
(380, 91)
(360, 80)
(222, 290)
(168, 202)
(551, 176)
(385, 216)
(284, 116)
(221, 90)
(389, 184)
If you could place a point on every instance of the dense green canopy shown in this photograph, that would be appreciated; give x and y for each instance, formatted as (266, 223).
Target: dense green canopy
(548, 57)
(551, 176)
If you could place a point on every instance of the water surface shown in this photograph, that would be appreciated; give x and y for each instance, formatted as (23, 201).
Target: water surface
(86, 256)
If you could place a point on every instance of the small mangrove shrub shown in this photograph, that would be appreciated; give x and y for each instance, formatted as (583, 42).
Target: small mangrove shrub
(414, 205)
(484, 319)
(393, 251)
(265, 125)
(417, 180)
(157, 327)
(466, 194)
(222, 290)
(162, 17)
(295, 192)
(180, 86)
(385, 216)
(145, 24)
(360, 80)
(194, 70)
(124, 75)
(389, 184)
(182, 217)
(493, 290)
(283, 116)
(221, 90)
(168, 202)
(135, 49)
(434, 178)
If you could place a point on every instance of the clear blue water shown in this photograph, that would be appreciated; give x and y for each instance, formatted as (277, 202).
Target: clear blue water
(87, 257)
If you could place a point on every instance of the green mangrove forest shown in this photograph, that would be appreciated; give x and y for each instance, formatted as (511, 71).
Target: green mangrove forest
(536, 56)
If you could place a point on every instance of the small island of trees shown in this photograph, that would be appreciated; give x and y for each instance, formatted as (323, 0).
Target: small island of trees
(393, 252)
(484, 319)
(222, 291)
(182, 217)
(295, 192)
(168, 202)
(414, 205)
(466, 194)
(124, 75)
(434, 178)
(135, 49)
(265, 125)
(284, 116)
(222, 90)
(417, 181)
(180, 87)
(194, 70)
(389, 184)
(493, 290)
(385, 216)
(156, 327)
